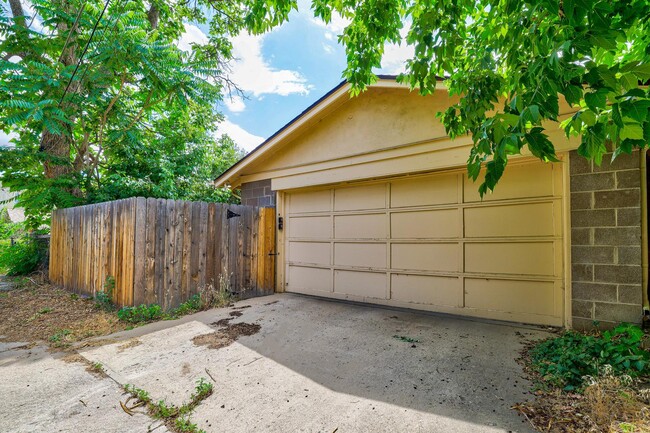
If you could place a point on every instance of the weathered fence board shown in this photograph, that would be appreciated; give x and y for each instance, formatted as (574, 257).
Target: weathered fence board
(162, 251)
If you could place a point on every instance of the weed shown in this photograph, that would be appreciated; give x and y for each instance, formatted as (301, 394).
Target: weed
(74, 296)
(184, 425)
(175, 417)
(202, 391)
(44, 310)
(190, 306)
(567, 360)
(138, 393)
(59, 338)
(141, 314)
(162, 411)
(98, 367)
(104, 298)
(406, 339)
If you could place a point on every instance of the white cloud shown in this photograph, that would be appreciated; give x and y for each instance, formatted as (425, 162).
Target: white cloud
(192, 34)
(334, 28)
(394, 59)
(395, 55)
(253, 74)
(235, 104)
(328, 48)
(4, 139)
(243, 138)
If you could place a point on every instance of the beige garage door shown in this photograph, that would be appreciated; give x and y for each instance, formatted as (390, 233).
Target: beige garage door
(429, 242)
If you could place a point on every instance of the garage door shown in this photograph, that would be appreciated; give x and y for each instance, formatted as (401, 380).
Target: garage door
(429, 242)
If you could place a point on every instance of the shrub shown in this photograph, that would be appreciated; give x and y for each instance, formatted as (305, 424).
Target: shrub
(567, 360)
(141, 314)
(23, 257)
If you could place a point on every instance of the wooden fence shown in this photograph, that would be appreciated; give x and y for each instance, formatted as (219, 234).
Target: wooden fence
(162, 251)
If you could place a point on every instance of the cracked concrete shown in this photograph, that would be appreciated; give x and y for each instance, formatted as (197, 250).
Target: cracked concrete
(314, 366)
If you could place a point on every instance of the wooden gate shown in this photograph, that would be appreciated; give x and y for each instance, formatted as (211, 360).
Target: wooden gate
(163, 251)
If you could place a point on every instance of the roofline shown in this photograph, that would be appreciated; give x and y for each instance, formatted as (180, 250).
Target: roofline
(305, 114)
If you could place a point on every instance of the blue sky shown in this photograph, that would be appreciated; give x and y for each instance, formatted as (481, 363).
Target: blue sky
(283, 72)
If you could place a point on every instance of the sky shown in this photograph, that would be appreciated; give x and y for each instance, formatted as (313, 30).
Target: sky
(282, 73)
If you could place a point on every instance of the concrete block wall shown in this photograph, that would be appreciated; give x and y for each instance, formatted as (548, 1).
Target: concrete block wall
(606, 268)
(258, 193)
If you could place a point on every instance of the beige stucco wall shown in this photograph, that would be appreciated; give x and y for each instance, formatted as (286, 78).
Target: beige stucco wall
(383, 132)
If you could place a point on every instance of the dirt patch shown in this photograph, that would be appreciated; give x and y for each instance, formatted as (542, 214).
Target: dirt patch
(185, 369)
(36, 311)
(222, 322)
(271, 303)
(129, 344)
(241, 308)
(235, 314)
(226, 335)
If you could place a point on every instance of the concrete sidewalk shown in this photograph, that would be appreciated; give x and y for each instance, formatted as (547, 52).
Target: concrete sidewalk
(313, 366)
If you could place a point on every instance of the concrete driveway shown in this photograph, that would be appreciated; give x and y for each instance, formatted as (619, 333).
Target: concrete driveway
(313, 366)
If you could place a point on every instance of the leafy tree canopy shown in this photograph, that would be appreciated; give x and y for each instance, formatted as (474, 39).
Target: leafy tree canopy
(510, 61)
(106, 105)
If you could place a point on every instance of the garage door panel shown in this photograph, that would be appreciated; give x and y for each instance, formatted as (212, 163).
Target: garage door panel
(360, 197)
(443, 223)
(518, 181)
(363, 284)
(426, 289)
(532, 297)
(515, 258)
(310, 201)
(310, 227)
(317, 253)
(423, 191)
(360, 254)
(305, 279)
(410, 242)
(528, 219)
(443, 257)
(365, 226)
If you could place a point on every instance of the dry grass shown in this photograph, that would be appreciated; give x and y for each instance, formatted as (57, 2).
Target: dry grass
(36, 311)
(609, 404)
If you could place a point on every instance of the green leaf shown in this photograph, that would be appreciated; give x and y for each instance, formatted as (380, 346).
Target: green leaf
(597, 99)
(632, 131)
(637, 110)
(616, 116)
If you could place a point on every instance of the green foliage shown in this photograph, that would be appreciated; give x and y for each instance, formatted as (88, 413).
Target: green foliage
(202, 391)
(565, 361)
(116, 113)
(209, 297)
(104, 298)
(138, 393)
(141, 314)
(23, 257)
(184, 425)
(59, 338)
(510, 62)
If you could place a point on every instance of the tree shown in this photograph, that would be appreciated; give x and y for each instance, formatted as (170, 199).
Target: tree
(509, 60)
(104, 102)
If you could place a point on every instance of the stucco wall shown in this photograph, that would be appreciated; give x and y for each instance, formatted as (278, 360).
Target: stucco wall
(258, 193)
(606, 268)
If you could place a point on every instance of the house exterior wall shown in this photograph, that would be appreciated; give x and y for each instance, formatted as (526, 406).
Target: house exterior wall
(258, 193)
(606, 241)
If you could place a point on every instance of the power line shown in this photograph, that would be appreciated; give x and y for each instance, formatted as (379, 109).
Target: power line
(84, 51)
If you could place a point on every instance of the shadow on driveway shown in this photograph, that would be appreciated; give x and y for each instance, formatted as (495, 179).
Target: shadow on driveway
(317, 365)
